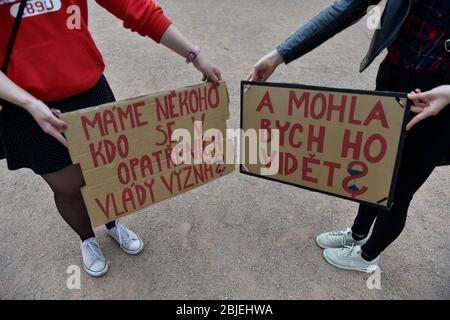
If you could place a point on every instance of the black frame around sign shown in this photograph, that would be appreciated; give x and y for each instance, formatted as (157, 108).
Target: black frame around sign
(406, 118)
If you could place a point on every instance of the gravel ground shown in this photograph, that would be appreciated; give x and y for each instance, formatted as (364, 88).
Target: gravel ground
(209, 243)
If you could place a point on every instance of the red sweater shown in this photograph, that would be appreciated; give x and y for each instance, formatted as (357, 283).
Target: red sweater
(51, 60)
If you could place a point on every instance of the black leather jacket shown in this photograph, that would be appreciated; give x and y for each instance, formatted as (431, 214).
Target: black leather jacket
(341, 15)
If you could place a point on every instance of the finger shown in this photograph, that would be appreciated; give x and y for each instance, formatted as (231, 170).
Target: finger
(417, 109)
(421, 104)
(218, 74)
(56, 113)
(58, 123)
(53, 131)
(255, 76)
(420, 100)
(212, 77)
(419, 96)
(417, 119)
(250, 76)
(58, 136)
(412, 94)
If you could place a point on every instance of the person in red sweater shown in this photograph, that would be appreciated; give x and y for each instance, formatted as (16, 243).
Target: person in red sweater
(56, 67)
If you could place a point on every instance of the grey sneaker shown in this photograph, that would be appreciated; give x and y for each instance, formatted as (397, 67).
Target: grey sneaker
(338, 239)
(94, 262)
(349, 258)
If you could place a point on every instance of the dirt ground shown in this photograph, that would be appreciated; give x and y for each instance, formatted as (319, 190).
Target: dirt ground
(239, 237)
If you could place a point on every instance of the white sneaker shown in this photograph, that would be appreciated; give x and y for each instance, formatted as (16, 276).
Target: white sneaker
(129, 241)
(93, 260)
(349, 258)
(338, 239)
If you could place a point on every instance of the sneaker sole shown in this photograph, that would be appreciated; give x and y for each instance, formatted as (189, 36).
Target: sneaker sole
(130, 252)
(98, 273)
(365, 270)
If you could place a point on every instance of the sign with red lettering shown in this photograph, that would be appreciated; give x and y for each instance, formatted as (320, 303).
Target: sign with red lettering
(346, 143)
(125, 148)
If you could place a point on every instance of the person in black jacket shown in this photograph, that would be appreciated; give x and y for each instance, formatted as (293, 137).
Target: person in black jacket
(417, 36)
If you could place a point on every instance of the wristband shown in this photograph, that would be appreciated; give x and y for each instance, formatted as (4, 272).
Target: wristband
(193, 55)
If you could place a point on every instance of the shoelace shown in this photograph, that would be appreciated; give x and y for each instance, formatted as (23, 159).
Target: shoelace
(346, 251)
(94, 250)
(336, 234)
(124, 236)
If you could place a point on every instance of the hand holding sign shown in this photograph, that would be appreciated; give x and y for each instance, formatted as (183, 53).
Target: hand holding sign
(428, 104)
(48, 120)
(265, 67)
(210, 73)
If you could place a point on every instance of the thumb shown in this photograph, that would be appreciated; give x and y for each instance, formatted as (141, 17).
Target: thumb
(250, 77)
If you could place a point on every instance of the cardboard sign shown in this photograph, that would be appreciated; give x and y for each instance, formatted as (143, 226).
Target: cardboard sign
(345, 143)
(124, 148)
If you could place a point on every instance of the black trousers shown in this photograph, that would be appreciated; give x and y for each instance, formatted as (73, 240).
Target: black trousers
(425, 145)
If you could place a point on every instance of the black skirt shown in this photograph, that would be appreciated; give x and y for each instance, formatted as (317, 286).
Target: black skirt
(23, 143)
